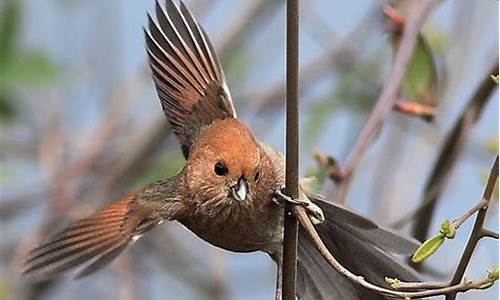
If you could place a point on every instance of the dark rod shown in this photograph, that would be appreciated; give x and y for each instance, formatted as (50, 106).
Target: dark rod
(292, 148)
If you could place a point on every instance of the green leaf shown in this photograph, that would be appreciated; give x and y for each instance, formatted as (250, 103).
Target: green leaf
(419, 81)
(428, 248)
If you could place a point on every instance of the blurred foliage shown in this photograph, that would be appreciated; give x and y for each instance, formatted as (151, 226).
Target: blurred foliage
(19, 68)
(236, 65)
(317, 118)
(166, 165)
(3, 289)
(358, 89)
(436, 40)
(492, 145)
(348, 92)
(320, 173)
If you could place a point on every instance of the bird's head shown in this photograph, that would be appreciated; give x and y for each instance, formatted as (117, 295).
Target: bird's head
(226, 164)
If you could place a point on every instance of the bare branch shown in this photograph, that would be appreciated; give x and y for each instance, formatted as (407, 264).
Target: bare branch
(460, 220)
(489, 233)
(291, 227)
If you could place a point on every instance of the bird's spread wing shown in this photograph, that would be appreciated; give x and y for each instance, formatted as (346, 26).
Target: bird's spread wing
(360, 245)
(93, 242)
(186, 72)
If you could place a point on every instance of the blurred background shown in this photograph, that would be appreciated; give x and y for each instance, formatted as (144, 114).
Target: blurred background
(81, 124)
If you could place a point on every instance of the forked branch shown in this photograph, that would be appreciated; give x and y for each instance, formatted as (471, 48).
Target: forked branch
(416, 290)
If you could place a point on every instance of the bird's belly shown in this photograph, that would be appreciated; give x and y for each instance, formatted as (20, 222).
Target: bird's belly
(241, 230)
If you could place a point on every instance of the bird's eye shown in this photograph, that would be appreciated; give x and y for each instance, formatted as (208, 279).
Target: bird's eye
(256, 177)
(220, 168)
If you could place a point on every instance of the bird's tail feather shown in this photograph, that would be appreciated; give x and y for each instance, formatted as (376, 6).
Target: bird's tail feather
(361, 246)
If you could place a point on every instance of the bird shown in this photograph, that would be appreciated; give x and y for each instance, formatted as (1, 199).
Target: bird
(229, 191)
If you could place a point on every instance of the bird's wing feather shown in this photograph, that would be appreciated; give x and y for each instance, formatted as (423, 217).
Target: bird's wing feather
(93, 242)
(367, 230)
(186, 72)
(359, 245)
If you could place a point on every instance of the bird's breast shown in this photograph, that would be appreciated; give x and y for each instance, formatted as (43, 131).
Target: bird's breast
(239, 226)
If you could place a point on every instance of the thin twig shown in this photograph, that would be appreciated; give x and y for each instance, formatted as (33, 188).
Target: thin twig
(489, 233)
(460, 220)
(415, 286)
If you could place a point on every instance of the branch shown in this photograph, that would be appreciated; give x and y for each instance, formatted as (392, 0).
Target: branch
(448, 231)
(445, 288)
(415, 290)
(388, 95)
(460, 220)
(489, 233)
(476, 233)
(431, 289)
(291, 227)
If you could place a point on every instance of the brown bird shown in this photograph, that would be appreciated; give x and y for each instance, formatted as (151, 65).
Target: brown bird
(228, 191)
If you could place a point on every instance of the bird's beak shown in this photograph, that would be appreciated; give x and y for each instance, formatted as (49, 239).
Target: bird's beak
(240, 189)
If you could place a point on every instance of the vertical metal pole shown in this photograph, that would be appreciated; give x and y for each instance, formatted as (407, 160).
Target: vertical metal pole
(292, 148)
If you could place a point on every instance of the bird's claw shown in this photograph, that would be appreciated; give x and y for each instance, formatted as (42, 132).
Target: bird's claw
(280, 199)
(315, 213)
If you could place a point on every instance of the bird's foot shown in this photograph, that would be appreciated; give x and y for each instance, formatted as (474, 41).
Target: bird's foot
(315, 213)
(280, 199)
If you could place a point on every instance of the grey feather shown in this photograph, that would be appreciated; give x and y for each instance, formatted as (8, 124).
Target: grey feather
(358, 244)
